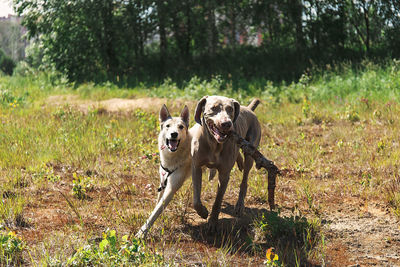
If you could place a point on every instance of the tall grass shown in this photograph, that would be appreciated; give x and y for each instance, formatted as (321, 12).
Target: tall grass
(342, 82)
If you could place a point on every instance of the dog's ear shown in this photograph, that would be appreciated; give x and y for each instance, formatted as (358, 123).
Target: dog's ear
(237, 110)
(200, 109)
(185, 116)
(164, 113)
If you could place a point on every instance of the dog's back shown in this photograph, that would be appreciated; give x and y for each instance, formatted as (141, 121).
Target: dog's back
(247, 124)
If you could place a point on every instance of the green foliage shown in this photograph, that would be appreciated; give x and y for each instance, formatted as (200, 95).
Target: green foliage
(11, 248)
(112, 251)
(131, 41)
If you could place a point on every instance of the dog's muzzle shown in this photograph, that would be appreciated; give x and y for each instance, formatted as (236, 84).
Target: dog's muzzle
(172, 144)
(219, 134)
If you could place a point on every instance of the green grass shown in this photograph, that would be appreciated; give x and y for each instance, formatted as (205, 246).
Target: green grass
(67, 176)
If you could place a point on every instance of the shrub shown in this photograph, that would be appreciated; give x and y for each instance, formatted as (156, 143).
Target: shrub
(7, 65)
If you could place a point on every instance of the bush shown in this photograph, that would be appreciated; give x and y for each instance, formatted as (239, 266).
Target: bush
(23, 69)
(7, 65)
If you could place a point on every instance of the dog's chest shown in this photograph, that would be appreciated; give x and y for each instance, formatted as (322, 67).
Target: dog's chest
(218, 157)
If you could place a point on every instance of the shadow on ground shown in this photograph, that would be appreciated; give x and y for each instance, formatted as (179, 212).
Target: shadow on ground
(255, 232)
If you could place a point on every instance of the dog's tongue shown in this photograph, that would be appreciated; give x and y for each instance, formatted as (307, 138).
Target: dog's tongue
(173, 145)
(220, 136)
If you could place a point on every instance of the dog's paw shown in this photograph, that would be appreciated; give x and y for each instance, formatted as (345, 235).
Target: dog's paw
(239, 209)
(201, 210)
(141, 234)
(212, 226)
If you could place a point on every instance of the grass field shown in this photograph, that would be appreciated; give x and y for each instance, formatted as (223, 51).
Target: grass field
(78, 180)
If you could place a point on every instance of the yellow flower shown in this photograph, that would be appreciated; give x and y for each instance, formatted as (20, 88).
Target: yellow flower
(271, 256)
(11, 233)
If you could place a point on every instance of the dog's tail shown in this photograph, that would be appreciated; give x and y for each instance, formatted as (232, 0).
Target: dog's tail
(253, 105)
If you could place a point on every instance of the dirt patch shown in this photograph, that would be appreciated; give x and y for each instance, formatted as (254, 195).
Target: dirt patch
(364, 236)
(115, 105)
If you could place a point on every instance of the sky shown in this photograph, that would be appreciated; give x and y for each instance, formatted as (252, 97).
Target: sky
(5, 8)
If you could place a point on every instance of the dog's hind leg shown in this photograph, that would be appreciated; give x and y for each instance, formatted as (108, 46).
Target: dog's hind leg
(239, 162)
(212, 173)
(248, 163)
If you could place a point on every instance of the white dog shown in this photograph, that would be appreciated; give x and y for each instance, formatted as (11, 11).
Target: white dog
(175, 160)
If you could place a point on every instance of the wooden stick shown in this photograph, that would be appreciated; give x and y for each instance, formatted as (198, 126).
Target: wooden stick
(261, 162)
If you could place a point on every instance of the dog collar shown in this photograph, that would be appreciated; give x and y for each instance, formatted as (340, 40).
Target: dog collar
(164, 184)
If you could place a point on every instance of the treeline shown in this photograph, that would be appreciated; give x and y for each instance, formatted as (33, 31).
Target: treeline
(143, 40)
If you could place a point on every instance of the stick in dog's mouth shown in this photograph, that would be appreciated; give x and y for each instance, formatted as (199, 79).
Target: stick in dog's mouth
(172, 144)
(218, 134)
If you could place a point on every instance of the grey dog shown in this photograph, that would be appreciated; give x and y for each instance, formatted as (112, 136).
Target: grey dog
(212, 147)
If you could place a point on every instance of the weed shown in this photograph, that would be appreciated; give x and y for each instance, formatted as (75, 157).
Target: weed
(381, 146)
(11, 248)
(306, 108)
(45, 172)
(366, 180)
(80, 186)
(351, 114)
(393, 195)
(11, 209)
(272, 259)
(112, 251)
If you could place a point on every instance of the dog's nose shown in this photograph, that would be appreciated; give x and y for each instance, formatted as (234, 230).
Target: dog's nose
(226, 124)
(174, 135)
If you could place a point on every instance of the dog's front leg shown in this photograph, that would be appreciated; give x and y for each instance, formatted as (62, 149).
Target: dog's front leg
(162, 203)
(197, 179)
(222, 185)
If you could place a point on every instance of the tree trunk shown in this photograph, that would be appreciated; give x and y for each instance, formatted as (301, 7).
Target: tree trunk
(211, 29)
(163, 35)
(366, 7)
(297, 12)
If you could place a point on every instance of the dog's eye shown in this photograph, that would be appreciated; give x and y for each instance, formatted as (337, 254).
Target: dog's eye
(215, 108)
(229, 109)
(167, 125)
(181, 127)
